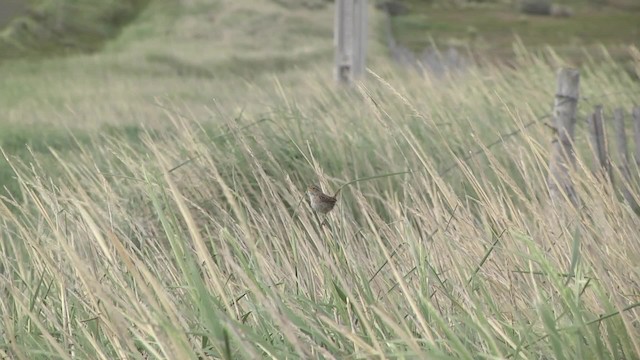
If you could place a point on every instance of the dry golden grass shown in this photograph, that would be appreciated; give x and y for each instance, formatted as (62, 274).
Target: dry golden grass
(124, 253)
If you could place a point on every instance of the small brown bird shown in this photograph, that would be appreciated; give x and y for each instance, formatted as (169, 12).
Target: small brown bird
(320, 202)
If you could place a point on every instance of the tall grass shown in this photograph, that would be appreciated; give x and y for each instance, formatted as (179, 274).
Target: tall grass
(183, 244)
(200, 54)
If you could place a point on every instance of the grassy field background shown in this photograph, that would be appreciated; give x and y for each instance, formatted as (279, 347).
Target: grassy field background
(152, 202)
(489, 28)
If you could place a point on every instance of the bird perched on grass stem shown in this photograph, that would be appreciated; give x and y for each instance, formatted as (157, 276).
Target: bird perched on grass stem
(323, 203)
(320, 202)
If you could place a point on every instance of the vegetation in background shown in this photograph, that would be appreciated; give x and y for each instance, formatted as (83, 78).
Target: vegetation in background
(62, 27)
(157, 61)
(156, 217)
(490, 28)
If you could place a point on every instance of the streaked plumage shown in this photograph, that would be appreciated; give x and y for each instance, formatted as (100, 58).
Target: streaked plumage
(320, 202)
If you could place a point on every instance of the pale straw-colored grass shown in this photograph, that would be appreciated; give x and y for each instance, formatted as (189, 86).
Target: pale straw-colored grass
(120, 255)
(185, 240)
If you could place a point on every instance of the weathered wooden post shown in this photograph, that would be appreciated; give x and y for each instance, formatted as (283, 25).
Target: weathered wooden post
(564, 120)
(350, 39)
(621, 138)
(599, 144)
(623, 155)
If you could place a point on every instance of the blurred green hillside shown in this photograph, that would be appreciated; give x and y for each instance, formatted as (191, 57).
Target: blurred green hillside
(488, 29)
(48, 27)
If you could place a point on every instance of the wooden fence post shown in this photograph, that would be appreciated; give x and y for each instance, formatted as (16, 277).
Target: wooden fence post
(621, 139)
(350, 38)
(623, 155)
(564, 119)
(599, 144)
